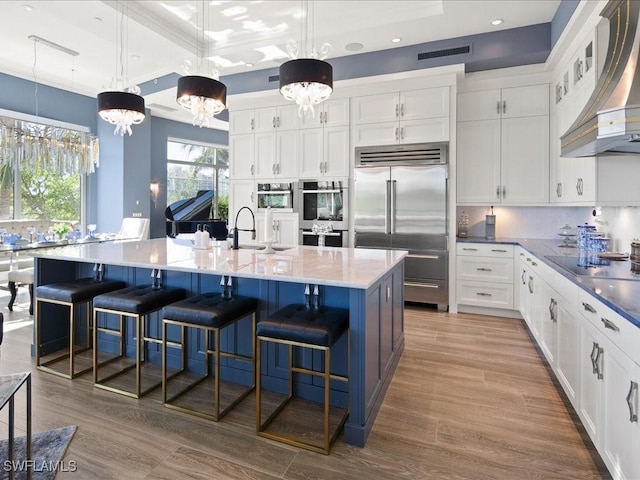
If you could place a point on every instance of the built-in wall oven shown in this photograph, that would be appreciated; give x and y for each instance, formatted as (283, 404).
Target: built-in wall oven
(276, 195)
(323, 208)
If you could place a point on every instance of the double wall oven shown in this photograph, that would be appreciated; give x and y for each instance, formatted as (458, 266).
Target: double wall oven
(323, 207)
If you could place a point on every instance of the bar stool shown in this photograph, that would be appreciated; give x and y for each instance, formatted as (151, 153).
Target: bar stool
(70, 294)
(136, 302)
(22, 277)
(300, 326)
(211, 313)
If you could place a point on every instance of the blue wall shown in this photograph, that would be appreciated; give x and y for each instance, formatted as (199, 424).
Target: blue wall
(561, 18)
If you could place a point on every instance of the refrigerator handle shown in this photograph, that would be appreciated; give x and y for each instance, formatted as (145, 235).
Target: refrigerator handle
(387, 212)
(393, 206)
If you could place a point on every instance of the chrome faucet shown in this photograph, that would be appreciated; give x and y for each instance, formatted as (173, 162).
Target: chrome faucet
(236, 229)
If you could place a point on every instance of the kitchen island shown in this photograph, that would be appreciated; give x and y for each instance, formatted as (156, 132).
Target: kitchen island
(369, 282)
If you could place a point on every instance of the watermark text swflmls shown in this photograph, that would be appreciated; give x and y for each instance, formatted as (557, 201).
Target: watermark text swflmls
(39, 466)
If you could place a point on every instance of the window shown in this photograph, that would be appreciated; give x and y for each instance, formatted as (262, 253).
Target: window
(194, 167)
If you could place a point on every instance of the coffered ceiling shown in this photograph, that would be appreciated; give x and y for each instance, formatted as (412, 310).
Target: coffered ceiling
(166, 37)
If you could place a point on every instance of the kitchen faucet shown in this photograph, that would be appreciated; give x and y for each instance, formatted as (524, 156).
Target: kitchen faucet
(236, 229)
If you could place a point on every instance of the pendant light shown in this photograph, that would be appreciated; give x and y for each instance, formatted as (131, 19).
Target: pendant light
(204, 97)
(306, 81)
(121, 106)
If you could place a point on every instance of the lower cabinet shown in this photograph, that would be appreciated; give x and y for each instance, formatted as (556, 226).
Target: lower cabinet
(591, 381)
(285, 228)
(568, 351)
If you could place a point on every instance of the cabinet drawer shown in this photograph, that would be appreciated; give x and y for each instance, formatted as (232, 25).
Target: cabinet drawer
(485, 249)
(484, 268)
(624, 334)
(485, 294)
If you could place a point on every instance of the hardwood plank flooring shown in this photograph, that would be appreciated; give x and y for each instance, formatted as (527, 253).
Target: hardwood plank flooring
(471, 399)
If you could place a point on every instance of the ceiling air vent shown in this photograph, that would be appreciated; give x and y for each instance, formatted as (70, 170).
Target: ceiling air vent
(274, 78)
(447, 52)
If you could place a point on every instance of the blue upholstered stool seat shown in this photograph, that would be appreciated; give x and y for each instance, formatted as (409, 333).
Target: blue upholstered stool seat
(77, 291)
(210, 310)
(210, 313)
(296, 323)
(298, 326)
(70, 294)
(138, 299)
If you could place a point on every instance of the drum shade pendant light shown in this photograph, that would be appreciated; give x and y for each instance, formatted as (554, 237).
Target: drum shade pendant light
(306, 81)
(122, 105)
(204, 97)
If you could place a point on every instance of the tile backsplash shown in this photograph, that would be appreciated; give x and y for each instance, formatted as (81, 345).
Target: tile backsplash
(622, 224)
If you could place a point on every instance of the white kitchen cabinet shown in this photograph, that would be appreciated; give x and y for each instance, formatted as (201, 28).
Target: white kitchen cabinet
(330, 113)
(324, 152)
(277, 155)
(591, 381)
(242, 193)
(503, 145)
(270, 119)
(241, 122)
(285, 226)
(404, 117)
(547, 305)
(568, 351)
(242, 157)
(621, 433)
(484, 275)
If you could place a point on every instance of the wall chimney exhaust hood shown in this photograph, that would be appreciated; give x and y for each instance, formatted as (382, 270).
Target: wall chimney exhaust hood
(610, 121)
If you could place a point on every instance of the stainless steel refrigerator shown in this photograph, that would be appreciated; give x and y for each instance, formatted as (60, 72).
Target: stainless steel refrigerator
(401, 203)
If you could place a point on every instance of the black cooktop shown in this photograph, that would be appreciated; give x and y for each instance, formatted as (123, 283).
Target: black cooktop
(596, 268)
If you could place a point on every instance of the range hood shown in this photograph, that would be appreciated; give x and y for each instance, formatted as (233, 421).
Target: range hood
(610, 121)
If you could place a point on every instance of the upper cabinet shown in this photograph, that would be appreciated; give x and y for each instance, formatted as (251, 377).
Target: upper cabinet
(503, 145)
(403, 117)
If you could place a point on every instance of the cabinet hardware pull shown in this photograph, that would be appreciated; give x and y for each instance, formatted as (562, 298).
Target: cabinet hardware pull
(273, 122)
(530, 284)
(425, 257)
(482, 294)
(402, 109)
(273, 168)
(534, 264)
(482, 269)
(397, 110)
(402, 133)
(559, 190)
(396, 133)
(252, 124)
(251, 197)
(593, 357)
(498, 107)
(528, 259)
(522, 276)
(498, 192)
(252, 169)
(499, 250)
(504, 191)
(470, 249)
(320, 167)
(521, 254)
(422, 285)
(551, 309)
(504, 106)
(278, 168)
(588, 307)
(599, 372)
(609, 324)
(633, 415)
(278, 121)
(581, 183)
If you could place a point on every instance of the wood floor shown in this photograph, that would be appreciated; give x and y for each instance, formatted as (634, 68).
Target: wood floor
(471, 399)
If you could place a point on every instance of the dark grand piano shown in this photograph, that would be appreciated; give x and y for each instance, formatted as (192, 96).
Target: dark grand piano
(184, 216)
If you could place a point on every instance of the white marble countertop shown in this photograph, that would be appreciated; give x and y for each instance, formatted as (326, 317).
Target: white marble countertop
(344, 267)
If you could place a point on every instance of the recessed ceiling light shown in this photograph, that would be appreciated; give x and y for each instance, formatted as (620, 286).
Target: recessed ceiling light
(248, 64)
(28, 8)
(396, 39)
(497, 21)
(353, 47)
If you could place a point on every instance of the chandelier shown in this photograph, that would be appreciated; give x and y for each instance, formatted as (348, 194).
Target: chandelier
(306, 81)
(36, 146)
(204, 97)
(122, 105)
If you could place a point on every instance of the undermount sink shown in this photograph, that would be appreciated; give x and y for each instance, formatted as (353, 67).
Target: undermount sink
(277, 248)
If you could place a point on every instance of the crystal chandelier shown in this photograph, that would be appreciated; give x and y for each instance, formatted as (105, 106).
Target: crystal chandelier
(121, 105)
(204, 97)
(306, 81)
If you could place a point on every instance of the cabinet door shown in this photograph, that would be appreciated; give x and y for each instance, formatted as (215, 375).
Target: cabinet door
(584, 173)
(241, 153)
(568, 357)
(487, 269)
(526, 101)
(478, 161)
(336, 151)
(240, 121)
(266, 155)
(548, 305)
(336, 112)
(264, 119)
(241, 194)
(287, 151)
(591, 381)
(425, 103)
(522, 283)
(287, 228)
(525, 160)
(386, 133)
(483, 105)
(426, 130)
(376, 108)
(311, 152)
(621, 433)
(287, 117)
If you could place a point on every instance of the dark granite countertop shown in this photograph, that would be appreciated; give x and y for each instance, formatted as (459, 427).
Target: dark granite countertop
(622, 296)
